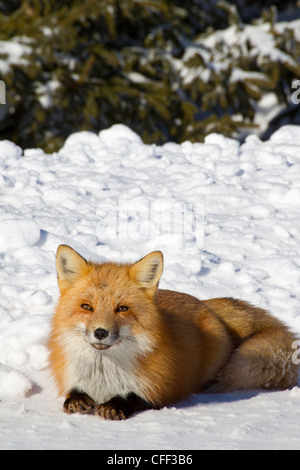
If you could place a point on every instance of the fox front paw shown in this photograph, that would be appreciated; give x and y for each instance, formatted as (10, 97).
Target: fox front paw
(79, 402)
(119, 407)
(110, 411)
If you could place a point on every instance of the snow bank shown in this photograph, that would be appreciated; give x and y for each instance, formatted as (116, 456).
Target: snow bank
(15, 233)
(226, 217)
(13, 383)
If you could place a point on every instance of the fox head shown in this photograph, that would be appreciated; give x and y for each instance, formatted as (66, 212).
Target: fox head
(107, 302)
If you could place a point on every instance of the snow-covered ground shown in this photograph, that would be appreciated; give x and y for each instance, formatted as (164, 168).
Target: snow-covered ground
(226, 216)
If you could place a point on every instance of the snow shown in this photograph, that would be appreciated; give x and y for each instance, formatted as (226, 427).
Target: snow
(226, 217)
(13, 51)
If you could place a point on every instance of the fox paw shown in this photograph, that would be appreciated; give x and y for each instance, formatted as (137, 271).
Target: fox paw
(110, 411)
(79, 402)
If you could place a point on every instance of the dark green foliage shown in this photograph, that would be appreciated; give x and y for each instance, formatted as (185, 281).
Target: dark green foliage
(146, 63)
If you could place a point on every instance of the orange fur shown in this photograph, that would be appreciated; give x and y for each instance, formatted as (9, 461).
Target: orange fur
(118, 344)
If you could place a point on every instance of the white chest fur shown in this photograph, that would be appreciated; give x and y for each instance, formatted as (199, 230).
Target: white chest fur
(103, 374)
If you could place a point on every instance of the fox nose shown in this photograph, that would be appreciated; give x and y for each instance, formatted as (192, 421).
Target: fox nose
(100, 333)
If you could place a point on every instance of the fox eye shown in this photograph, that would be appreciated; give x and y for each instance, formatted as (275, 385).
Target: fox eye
(87, 307)
(122, 308)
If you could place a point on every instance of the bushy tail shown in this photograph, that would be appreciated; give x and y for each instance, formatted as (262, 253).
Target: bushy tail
(263, 357)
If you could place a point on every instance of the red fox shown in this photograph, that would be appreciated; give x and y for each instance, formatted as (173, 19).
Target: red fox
(119, 344)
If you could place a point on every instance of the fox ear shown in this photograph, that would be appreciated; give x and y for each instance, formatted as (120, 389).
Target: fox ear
(70, 266)
(147, 271)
